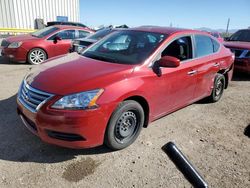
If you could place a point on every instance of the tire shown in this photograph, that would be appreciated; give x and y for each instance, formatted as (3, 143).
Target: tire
(219, 85)
(36, 56)
(124, 125)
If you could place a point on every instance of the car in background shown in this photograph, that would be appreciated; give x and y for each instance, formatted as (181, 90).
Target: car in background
(217, 35)
(120, 84)
(77, 24)
(239, 44)
(40, 45)
(78, 45)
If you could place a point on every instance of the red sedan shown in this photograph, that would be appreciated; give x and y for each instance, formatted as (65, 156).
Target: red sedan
(121, 84)
(42, 44)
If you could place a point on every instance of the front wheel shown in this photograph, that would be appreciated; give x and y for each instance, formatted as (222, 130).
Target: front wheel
(219, 85)
(125, 125)
(37, 56)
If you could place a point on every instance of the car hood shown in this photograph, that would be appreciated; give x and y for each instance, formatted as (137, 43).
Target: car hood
(22, 38)
(237, 44)
(73, 73)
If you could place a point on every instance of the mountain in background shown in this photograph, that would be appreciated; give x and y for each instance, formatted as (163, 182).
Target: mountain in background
(218, 30)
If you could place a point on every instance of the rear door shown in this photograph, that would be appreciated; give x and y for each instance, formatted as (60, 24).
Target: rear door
(207, 64)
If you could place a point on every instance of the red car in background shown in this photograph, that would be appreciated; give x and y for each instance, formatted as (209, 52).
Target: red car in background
(43, 44)
(239, 44)
(120, 84)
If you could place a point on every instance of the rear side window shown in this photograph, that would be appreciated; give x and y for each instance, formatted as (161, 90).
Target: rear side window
(204, 45)
(216, 45)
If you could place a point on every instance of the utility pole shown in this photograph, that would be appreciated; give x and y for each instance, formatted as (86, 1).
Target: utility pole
(228, 22)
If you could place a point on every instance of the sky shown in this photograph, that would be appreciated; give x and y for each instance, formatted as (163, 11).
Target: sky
(178, 13)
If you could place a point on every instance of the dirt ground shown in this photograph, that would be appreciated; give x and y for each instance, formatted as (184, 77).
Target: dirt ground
(211, 135)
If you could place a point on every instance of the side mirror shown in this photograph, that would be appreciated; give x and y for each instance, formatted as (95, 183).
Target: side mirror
(226, 38)
(169, 61)
(56, 39)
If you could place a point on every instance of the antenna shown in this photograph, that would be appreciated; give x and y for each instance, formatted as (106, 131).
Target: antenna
(228, 22)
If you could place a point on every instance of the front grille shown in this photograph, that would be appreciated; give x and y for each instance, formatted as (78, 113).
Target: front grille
(5, 43)
(32, 98)
(65, 136)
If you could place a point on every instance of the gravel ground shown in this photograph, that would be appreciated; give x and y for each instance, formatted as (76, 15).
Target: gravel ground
(211, 136)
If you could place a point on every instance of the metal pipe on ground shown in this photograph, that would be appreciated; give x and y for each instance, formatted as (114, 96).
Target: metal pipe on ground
(182, 163)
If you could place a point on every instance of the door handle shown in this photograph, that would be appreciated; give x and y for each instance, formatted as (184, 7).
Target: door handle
(216, 65)
(192, 72)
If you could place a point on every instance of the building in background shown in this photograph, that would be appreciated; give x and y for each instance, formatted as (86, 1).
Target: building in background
(28, 14)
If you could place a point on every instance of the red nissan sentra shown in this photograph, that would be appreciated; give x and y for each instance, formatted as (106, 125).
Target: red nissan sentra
(121, 84)
(43, 44)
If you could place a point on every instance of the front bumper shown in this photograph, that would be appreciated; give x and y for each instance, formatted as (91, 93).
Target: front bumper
(242, 65)
(15, 54)
(72, 129)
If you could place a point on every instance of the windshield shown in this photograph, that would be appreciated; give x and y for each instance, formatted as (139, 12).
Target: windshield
(100, 34)
(126, 47)
(44, 32)
(242, 35)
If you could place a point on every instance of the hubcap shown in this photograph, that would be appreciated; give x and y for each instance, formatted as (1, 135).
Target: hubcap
(126, 126)
(37, 56)
(219, 87)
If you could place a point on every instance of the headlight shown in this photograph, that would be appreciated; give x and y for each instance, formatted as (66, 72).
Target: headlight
(15, 45)
(78, 101)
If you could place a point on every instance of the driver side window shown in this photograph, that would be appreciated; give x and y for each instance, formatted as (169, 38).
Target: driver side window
(180, 48)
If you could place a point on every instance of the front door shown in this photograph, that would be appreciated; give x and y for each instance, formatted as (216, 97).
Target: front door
(176, 86)
(62, 46)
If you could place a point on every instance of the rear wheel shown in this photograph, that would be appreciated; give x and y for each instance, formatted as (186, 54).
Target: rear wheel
(219, 85)
(125, 125)
(37, 56)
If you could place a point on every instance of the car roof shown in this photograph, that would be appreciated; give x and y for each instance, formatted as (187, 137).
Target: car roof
(244, 29)
(164, 30)
(64, 22)
(70, 27)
